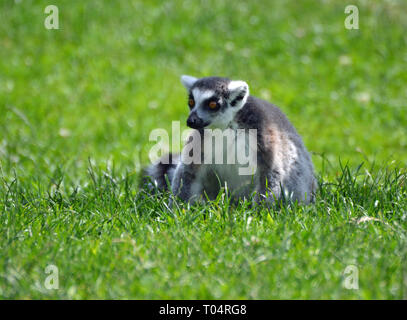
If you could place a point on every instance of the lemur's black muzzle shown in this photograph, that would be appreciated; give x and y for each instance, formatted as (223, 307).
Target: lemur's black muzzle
(195, 122)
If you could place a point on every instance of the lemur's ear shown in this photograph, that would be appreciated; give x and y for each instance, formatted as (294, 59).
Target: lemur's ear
(238, 93)
(188, 81)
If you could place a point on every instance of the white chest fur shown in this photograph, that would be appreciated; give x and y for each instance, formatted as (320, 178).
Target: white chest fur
(232, 158)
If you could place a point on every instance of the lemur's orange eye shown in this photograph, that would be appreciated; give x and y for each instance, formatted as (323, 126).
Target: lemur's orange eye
(191, 102)
(213, 104)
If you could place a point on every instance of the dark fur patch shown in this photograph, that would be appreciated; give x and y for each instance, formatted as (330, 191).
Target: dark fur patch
(238, 98)
(218, 84)
(156, 175)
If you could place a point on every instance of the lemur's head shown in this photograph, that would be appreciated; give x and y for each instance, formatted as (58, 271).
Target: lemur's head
(214, 101)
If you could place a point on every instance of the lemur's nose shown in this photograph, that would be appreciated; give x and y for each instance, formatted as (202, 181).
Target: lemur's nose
(194, 121)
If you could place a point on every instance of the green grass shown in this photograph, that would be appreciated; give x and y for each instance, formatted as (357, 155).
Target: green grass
(95, 88)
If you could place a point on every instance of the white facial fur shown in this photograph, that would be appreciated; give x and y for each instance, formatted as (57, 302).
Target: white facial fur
(200, 96)
(224, 120)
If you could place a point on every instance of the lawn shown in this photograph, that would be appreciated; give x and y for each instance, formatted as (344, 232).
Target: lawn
(77, 105)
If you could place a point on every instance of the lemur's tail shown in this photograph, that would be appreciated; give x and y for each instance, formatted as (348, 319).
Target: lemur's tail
(158, 176)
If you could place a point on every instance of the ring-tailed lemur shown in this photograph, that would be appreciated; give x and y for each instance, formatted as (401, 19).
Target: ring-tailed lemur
(284, 167)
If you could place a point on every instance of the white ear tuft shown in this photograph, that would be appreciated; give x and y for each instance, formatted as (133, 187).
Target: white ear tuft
(238, 93)
(188, 81)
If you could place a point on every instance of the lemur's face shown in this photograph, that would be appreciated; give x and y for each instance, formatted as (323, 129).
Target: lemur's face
(214, 101)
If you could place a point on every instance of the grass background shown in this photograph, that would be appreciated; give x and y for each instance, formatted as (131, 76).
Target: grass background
(95, 88)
